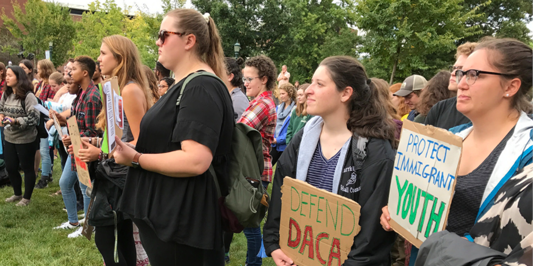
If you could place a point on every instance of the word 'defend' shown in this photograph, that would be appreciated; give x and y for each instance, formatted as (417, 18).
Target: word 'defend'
(335, 215)
(412, 208)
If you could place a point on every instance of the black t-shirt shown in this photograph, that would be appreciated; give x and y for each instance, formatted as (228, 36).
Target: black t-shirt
(183, 210)
(444, 114)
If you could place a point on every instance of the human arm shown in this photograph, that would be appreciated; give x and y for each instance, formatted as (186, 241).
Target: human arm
(60, 93)
(91, 109)
(372, 245)
(134, 108)
(281, 77)
(61, 117)
(32, 115)
(286, 166)
(282, 138)
(287, 76)
(255, 116)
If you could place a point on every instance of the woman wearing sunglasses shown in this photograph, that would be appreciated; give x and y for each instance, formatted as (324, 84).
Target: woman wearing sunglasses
(489, 207)
(169, 192)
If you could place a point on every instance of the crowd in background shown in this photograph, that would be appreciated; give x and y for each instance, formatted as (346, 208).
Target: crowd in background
(162, 203)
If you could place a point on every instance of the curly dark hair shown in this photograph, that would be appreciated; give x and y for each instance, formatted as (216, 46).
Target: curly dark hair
(435, 91)
(265, 68)
(290, 89)
(368, 116)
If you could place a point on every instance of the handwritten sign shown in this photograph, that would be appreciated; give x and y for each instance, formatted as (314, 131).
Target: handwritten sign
(423, 181)
(316, 227)
(112, 105)
(81, 167)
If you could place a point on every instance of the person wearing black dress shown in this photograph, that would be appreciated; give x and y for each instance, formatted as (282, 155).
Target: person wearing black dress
(169, 192)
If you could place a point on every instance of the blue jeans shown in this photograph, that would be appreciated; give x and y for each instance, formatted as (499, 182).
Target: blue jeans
(46, 166)
(67, 183)
(253, 237)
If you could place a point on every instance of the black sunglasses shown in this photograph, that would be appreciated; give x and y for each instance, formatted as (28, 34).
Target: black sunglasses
(473, 74)
(163, 34)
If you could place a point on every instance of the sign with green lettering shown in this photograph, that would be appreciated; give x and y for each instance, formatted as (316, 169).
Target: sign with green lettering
(317, 227)
(423, 181)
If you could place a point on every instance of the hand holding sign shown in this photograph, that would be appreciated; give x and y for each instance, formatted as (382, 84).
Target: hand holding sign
(81, 167)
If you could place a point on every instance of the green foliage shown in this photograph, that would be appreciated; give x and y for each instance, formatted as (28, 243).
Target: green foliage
(103, 19)
(500, 18)
(40, 24)
(143, 30)
(168, 5)
(411, 36)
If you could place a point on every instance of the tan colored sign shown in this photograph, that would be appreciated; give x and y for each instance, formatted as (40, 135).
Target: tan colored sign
(81, 167)
(316, 227)
(87, 229)
(57, 126)
(423, 181)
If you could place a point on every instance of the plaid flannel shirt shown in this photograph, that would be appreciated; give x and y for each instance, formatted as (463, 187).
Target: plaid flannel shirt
(261, 115)
(46, 91)
(86, 108)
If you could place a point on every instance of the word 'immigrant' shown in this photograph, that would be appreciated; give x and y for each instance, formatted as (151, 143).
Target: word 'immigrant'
(318, 209)
(421, 147)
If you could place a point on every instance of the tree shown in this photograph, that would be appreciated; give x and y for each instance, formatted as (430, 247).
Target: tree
(102, 20)
(143, 31)
(500, 18)
(411, 36)
(168, 5)
(40, 24)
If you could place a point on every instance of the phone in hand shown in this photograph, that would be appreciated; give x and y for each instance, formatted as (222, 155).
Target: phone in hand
(7, 120)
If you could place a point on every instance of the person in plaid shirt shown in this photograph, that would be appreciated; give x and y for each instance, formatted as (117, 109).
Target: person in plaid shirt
(86, 108)
(259, 77)
(45, 68)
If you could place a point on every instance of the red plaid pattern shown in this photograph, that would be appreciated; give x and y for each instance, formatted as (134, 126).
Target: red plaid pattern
(86, 108)
(261, 115)
(46, 91)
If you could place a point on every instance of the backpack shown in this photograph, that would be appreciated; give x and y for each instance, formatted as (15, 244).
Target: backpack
(41, 131)
(247, 200)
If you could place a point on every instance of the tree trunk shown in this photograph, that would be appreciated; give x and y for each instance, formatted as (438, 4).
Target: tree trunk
(395, 64)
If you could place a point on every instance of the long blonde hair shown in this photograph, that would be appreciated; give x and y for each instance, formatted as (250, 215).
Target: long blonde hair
(301, 108)
(129, 68)
(208, 42)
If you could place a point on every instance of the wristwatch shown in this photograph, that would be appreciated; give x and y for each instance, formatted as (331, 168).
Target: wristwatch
(135, 162)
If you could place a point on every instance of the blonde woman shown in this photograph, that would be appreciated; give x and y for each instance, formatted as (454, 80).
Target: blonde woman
(118, 57)
(287, 95)
(299, 116)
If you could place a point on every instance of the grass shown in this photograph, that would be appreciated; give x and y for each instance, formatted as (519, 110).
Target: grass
(27, 238)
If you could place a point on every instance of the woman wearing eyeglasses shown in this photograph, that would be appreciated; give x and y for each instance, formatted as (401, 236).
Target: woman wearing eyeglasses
(169, 193)
(489, 206)
(164, 84)
(259, 76)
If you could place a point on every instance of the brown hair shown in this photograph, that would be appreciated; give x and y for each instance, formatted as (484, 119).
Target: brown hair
(289, 88)
(208, 43)
(402, 108)
(466, 48)
(57, 77)
(512, 58)
(265, 68)
(152, 82)
(47, 68)
(301, 108)
(382, 89)
(368, 117)
(129, 68)
(435, 91)
(3, 69)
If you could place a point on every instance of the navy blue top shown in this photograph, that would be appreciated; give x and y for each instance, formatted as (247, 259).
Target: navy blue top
(321, 170)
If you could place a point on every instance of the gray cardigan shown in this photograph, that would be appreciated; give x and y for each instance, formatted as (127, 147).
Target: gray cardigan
(25, 131)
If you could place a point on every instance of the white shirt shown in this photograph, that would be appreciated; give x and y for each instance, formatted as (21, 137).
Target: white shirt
(283, 81)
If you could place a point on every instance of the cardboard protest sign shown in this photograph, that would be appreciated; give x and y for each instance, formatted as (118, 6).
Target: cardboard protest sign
(423, 181)
(316, 227)
(57, 126)
(112, 104)
(87, 229)
(81, 167)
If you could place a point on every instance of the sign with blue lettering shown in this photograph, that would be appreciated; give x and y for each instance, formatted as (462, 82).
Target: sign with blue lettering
(423, 181)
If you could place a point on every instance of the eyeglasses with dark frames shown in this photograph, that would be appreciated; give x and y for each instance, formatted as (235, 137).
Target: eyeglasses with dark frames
(473, 74)
(163, 34)
(454, 68)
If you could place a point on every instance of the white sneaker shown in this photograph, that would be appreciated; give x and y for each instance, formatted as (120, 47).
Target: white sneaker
(81, 216)
(67, 225)
(76, 233)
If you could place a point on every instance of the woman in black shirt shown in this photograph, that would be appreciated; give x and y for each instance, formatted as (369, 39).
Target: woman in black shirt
(170, 195)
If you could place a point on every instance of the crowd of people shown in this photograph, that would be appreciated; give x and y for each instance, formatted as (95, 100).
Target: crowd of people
(156, 194)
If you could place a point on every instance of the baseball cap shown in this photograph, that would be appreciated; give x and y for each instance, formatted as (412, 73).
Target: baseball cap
(410, 84)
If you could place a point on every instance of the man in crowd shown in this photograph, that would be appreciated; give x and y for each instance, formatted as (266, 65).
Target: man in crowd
(161, 71)
(85, 108)
(97, 76)
(283, 76)
(411, 89)
(444, 114)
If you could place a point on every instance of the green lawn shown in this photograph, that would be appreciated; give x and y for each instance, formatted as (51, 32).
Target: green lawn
(27, 238)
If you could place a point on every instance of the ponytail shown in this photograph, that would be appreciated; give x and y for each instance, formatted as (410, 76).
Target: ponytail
(215, 55)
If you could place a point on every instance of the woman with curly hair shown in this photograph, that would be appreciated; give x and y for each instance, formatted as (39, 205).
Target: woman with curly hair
(436, 90)
(260, 79)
